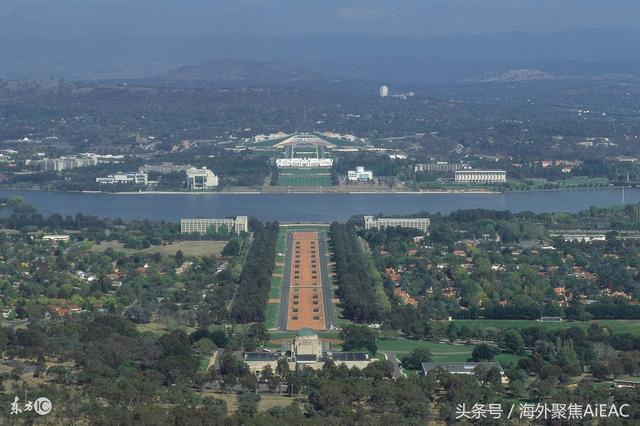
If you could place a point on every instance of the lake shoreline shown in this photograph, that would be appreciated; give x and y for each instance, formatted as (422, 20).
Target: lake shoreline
(302, 192)
(313, 207)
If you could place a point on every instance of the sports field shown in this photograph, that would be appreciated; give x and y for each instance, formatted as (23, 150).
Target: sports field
(304, 177)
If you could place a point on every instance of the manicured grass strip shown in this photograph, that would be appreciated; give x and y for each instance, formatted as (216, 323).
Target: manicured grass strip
(271, 315)
(276, 287)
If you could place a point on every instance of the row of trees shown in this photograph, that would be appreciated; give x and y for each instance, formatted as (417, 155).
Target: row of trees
(255, 282)
(355, 286)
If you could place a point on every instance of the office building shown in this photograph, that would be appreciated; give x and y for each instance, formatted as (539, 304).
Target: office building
(202, 226)
(359, 175)
(135, 178)
(480, 176)
(164, 168)
(420, 223)
(63, 163)
(384, 91)
(440, 166)
(201, 178)
(56, 238)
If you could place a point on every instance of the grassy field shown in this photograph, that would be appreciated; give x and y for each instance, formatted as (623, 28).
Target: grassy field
(266, 401)
(204, 363)
(189, 248)
(276, 285)
(440, 351)
(271, 315)
(617, 326)
(304, 177)
(157, 328)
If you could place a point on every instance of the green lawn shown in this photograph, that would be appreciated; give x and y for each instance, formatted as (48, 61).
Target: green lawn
(304, 177)
(442, 352)
(276, 286)
(267, 401)
(204, 362)
(506, 359)
(617, 326)
(439, 350)
(271, 315)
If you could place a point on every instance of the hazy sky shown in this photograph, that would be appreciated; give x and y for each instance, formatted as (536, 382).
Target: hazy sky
(415, 18)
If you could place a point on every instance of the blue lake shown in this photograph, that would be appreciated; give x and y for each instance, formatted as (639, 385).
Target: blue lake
(321, 208)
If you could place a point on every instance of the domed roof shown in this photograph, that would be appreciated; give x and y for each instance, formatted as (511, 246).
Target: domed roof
(306, 332)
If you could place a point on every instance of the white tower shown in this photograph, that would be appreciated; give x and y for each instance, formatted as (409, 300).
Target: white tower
(384, 91)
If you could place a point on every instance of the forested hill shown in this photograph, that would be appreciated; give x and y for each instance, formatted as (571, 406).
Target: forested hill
(242, 71)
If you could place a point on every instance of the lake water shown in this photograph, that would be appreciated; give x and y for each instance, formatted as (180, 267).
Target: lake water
(321, 208)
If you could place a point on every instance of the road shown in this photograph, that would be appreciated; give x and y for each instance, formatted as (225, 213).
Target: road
(327, 285)
(397, 371)
(286, 284)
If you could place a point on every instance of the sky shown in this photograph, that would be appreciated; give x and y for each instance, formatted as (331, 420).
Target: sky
(410, 18)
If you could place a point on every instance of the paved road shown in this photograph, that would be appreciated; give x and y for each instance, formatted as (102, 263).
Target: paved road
(286, 284)
(327, 285)
(397, 371)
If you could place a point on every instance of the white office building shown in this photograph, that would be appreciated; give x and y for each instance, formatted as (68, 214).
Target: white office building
(202, 226)
(201, 178)
(63, 163)
(420, 223)
(359, 175)
(135, 178)
(480, 176)
(304, 162)
(440, 166)
(384, 91)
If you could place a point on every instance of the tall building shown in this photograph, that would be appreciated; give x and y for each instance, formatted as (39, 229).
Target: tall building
(384, 91)
(480, 176)
(360, 175)
(419, 223)
(201, 178)
(202, 226)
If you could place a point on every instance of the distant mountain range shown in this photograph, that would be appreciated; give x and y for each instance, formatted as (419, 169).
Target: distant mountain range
(241, 71)
(517, 75)
(395, 60)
